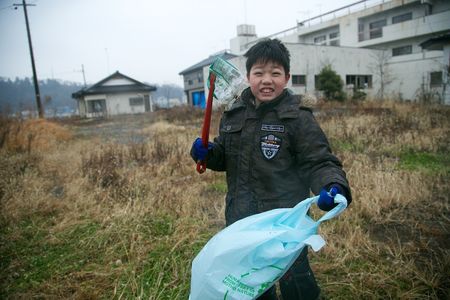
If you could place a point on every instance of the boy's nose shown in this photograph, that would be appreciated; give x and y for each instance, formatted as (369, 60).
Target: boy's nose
(266, 78)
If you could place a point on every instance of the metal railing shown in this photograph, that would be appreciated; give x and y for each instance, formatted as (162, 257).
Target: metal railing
(330, 15)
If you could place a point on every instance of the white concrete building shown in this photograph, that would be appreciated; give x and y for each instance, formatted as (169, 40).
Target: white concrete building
(116, 94)
(378, 46)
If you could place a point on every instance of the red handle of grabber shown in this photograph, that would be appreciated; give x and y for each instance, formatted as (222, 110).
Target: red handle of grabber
(201, 165)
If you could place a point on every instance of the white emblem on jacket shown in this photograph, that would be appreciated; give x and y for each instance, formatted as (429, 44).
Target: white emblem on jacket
(270, 145)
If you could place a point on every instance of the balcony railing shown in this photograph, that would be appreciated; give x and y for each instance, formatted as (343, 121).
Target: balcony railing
(340, 12)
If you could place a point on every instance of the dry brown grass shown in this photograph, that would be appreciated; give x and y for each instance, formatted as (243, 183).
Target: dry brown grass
(37, 134)
(89, 218)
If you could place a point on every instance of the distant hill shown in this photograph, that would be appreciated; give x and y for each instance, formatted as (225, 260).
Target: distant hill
(18, 95)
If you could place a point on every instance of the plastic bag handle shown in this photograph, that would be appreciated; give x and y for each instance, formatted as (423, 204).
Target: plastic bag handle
(342, 204)
(291, 218)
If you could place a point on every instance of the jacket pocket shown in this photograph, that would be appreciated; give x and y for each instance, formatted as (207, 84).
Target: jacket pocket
(232, 135)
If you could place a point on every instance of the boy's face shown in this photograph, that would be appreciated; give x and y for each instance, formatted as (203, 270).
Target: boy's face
(267, 81)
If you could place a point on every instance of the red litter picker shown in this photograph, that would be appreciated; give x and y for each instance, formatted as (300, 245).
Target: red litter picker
(225, 83)
(201, 165)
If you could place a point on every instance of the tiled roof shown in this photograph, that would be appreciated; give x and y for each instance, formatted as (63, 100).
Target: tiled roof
(99, 88)
(207, 61)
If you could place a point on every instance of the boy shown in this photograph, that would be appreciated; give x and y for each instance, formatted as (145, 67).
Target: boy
(274, 153)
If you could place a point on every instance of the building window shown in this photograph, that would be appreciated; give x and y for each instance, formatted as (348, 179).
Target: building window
(359, 81)
(436, 79)
(316, 82)
(320, 40)
(200, 77)
(334, 35)
(190, 82)
(136, 101)
(299, 80)
(360, 32)
(334, 38)
(96, 106)
(402, 18)
(375, 29)
(403, 50)
(334, 43)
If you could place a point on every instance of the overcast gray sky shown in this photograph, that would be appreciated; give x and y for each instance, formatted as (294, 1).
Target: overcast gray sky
(149, 40)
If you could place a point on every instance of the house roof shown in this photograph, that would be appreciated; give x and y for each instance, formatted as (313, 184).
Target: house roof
(208, 61)
(101, 88)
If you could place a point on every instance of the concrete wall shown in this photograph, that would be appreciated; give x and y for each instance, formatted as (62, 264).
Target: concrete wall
(446, 66)
(193, 80)
(310, 59)
(413, 28)
(404, 75)
(410, 72)
(117, 104)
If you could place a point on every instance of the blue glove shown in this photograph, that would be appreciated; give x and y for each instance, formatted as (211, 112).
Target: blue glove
(198, 151)
(326, 199)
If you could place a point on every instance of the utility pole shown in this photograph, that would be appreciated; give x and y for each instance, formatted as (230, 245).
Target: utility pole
(35, 80)
(84, 77)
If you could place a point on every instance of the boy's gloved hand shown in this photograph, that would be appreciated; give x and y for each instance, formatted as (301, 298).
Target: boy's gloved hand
(198, 151)
(326, 198)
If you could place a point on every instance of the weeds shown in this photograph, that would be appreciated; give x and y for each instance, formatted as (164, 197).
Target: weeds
(427, 161)
(132, 216)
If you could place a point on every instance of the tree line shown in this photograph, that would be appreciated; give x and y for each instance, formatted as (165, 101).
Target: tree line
(18, 95)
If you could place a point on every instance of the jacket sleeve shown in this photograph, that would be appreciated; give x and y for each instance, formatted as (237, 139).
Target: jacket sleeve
(314, 156)
(216, 156)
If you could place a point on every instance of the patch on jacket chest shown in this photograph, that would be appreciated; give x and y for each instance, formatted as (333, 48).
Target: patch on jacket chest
(270, 145)
(271, 127)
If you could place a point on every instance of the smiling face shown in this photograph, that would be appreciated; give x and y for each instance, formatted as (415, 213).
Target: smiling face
(267, 80)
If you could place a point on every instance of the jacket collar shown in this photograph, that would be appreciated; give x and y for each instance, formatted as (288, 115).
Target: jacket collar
(286, 105)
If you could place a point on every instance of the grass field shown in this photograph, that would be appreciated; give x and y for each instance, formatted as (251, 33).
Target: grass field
(113, 209)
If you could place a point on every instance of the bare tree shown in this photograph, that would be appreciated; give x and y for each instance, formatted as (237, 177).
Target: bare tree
(425, 94)
(445, 80)
(380, 68)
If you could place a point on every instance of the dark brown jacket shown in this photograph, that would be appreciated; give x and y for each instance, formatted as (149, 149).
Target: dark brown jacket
(273, 156)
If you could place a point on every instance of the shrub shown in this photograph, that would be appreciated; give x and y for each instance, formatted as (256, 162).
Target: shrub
(359, 95)
(330, 83)
(26, 135)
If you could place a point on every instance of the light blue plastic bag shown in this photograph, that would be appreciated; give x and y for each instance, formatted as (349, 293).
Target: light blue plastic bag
(248, 257)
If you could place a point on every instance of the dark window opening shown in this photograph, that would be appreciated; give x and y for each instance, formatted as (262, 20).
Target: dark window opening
(435, 79)
(360, 32)
(403, 50)
(359, 81)
(334, 35)
(334, 43)
(375, 29)
(320, 40)
(298, 79)
(96, 106)
(402, 18)
(136, 101)
(200, 77)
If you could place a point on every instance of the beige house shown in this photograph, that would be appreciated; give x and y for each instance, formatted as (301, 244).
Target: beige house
(115, 95)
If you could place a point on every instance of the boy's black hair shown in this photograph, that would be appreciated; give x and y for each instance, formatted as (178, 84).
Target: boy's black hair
(268, 50)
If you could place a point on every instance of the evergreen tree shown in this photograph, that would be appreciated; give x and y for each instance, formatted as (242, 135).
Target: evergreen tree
(330, 83)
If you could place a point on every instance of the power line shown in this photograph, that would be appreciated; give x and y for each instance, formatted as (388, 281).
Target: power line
(6, 7)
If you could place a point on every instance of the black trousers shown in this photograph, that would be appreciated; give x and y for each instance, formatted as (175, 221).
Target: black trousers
(298, 283)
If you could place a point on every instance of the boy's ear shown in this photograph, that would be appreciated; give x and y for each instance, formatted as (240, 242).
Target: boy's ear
(288, 76)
